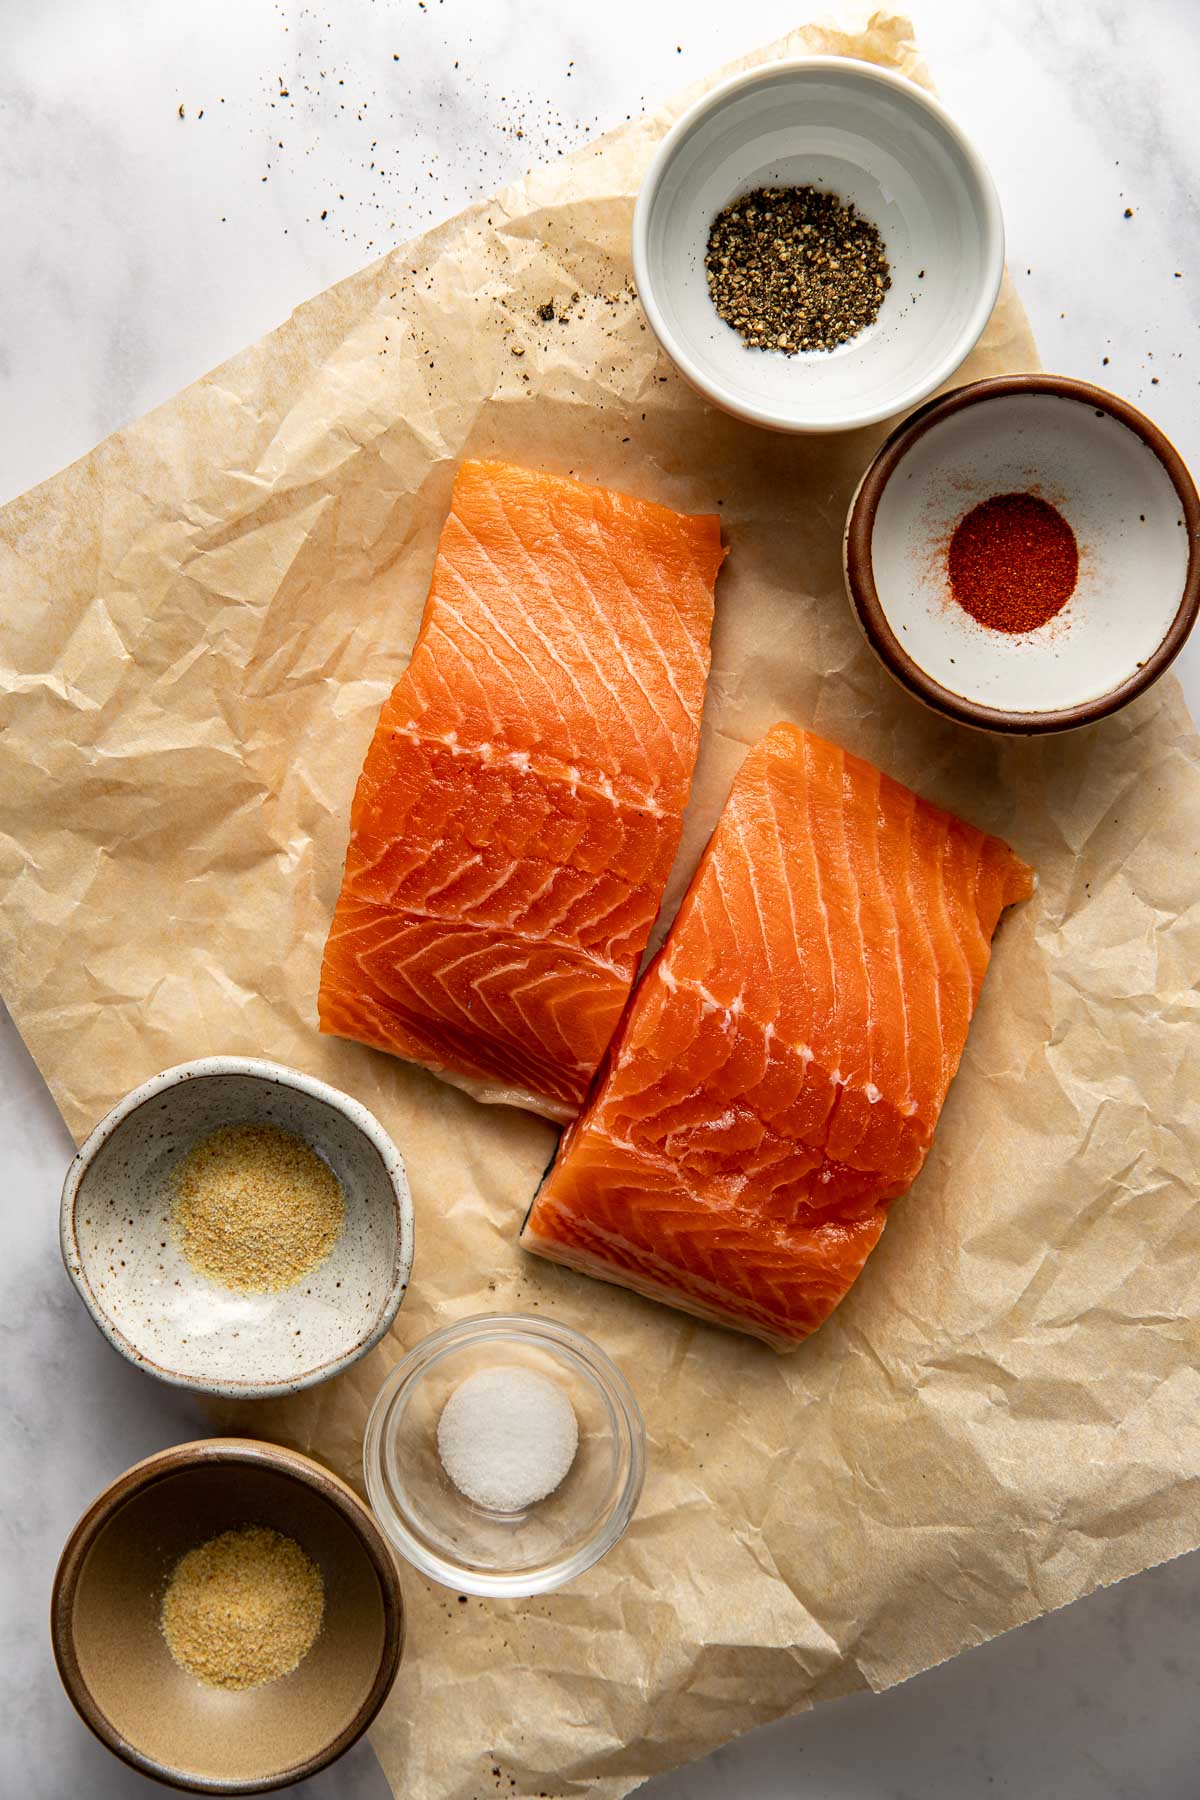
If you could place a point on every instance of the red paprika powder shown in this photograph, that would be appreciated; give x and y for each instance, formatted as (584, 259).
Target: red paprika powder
(1013, 562)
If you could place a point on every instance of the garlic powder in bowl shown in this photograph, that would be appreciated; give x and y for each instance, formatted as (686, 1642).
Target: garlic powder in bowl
(239, 1227)
(256, 1208)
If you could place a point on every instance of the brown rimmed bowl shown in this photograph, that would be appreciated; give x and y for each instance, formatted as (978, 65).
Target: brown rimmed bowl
(1120, 485)
(113, 1658)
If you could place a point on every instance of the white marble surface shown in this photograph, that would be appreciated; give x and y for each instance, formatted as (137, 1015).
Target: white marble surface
(141, 248)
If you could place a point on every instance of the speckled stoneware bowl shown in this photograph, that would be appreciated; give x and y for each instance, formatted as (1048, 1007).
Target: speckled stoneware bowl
(157, 1310)
(105, 1614)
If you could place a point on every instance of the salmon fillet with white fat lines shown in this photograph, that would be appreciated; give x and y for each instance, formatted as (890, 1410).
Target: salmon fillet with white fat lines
(521, 802)
(776, 1081)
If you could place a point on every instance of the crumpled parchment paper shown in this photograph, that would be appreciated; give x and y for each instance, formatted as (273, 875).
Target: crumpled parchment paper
(199, 623)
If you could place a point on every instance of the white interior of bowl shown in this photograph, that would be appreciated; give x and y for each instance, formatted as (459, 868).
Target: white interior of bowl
(873, 142)
(1118, 500)
(192, 1329)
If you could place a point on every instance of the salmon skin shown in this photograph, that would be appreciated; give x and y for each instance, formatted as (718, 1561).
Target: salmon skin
(777, 1079)
(521, 801)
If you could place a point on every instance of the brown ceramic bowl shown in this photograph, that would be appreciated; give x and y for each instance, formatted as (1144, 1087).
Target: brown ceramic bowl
(114, 1661)
(1119, 484)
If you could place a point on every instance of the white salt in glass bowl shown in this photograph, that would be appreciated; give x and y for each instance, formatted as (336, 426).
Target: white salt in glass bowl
(174, 1322)
(461, 1544)
(874, 139)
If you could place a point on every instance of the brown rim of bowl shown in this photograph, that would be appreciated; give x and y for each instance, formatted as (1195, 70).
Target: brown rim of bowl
(860, 577)
(146, 1474)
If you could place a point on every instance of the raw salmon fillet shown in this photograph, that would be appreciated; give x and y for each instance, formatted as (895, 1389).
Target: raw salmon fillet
(521, 802)
(776, 1081)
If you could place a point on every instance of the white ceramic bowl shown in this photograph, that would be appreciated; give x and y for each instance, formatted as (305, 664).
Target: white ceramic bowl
(170, 1320)
(1127, 497)
(874, 139)
(449, 1537)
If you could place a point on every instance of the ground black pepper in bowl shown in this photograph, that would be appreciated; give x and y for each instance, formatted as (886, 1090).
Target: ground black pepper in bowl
(794, 269)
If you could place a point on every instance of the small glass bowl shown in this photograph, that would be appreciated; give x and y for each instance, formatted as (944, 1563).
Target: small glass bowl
(449, 1537)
